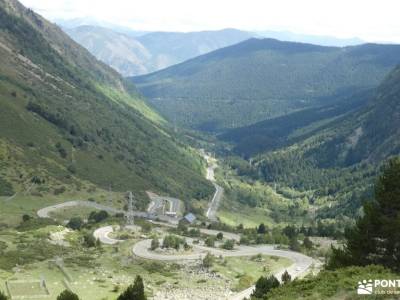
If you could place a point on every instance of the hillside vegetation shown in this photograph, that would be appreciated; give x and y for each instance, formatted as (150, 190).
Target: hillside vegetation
(260, 79)
(341, 159)
(66, 118)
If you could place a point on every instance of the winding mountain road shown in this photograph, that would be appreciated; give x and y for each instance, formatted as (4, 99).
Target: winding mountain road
(219, 191)
(301, 263)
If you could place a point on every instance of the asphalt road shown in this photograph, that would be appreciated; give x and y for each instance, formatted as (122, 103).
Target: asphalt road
(301, 263)
(102, 234)
(45, 212)
(219, 191)
(300, 266)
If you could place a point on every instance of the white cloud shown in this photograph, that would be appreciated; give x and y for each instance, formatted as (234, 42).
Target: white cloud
(368, 19)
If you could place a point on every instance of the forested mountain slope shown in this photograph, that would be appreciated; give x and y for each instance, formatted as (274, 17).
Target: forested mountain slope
(341, 159)
(294, 127)
(66, 118)
(261, 79)
(135, 55)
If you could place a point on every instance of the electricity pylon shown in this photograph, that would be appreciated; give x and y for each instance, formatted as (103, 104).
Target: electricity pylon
(129, 215)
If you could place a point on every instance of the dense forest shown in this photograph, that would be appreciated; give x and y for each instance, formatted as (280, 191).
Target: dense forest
(263, 78)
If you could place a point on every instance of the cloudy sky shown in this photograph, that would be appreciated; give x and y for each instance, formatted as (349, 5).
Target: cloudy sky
(371, 20)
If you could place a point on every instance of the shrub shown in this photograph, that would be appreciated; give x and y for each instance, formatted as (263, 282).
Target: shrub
(99, 216)
(307, 243)
(229, 245)
(89, 240)
(154, 244)
(59, 191)
(210, 241)
(3, 296)
(171, 241)
(67, 295)
(286, 278)
(208, 260)
(35, 223)
(75, 223)
(26, 218)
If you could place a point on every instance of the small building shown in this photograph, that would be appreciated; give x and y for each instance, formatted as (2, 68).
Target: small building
(189, 218)
(170, 214)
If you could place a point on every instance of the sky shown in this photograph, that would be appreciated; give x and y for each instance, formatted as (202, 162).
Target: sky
(370, 20)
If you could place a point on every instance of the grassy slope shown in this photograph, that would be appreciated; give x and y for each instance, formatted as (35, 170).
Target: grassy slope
(260, 79)
(107, 133)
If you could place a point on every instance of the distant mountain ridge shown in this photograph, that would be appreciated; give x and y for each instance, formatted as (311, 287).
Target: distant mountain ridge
(322, 40)
(134, 55)
(260, 79)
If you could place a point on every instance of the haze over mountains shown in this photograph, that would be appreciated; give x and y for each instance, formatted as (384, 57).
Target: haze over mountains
(133, 52)
(310, 39)
(135, 55)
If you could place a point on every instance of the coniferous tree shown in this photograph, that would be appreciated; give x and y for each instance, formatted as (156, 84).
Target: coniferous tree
(294, 244)
(261, 229)
(307, 243)
(134, 291)
(208, 260)
(3, 296)
(264, 285)
(155, 243)
(376, 237)
(67, 295)
(286, 278)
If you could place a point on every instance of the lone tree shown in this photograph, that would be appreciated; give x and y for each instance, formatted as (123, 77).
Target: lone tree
(376, 237)
(67, 295)
(75, 223)
(286, 278)
(155, 243)
(210, 241)
(294, 244)
(264, 285)
(26, 218)
(307, 243)
(134, 291)
(261, 229)
(208, 260)
(229, 245)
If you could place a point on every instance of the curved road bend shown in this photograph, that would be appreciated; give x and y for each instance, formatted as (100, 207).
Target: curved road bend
(45, 212)
(102, 234)
(300, 266)
(301, 263)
